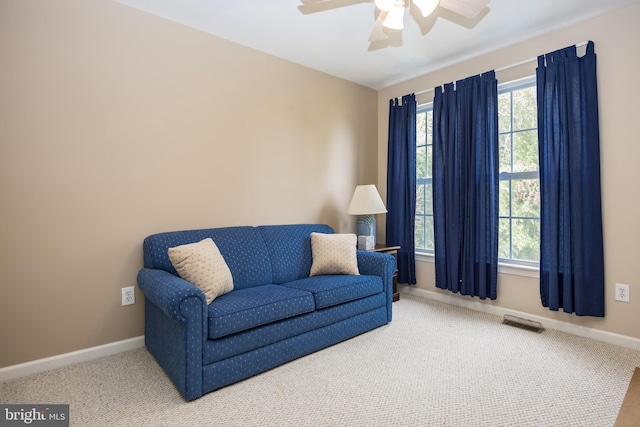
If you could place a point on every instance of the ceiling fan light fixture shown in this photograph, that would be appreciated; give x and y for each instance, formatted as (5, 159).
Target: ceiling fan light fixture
(426, 6)
(385, 5)
(395, 18)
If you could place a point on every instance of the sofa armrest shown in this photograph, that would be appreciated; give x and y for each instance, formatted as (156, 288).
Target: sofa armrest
(382, 265)
(168, 292)
(376, 264)
(175, 327)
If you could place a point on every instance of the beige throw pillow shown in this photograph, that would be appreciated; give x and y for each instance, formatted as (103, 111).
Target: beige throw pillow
(333, 254)
(202, 264)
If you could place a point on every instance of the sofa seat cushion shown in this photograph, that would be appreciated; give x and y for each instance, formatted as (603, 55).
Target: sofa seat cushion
(262, 336)
(247, 308)
(337, 289)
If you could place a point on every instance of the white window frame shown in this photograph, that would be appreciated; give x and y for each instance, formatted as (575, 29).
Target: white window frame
(425, 108)
(504, 176)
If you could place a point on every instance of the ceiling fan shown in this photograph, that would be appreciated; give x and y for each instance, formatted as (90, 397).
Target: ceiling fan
(391, 12)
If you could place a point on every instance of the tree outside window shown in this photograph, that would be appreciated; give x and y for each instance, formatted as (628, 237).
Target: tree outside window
(424, 238)
(519, 228)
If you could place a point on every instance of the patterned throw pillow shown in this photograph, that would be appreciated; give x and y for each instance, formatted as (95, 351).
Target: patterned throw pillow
(333, 254)
(202, 264)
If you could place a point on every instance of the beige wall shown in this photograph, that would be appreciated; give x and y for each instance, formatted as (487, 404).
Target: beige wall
(616, 37)
(115, 124)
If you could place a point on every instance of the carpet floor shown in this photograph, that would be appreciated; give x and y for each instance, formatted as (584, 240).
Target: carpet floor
(434, 365)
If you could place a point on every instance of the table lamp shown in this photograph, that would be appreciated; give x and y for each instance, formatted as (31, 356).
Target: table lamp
(366, 203)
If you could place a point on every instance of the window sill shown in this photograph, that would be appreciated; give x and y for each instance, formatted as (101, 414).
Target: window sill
(425, 257)
(519, 270)
(503, 268)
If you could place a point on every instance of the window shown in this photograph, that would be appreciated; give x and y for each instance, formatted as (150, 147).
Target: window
(519, 214)
(424, 160)
(519, 229)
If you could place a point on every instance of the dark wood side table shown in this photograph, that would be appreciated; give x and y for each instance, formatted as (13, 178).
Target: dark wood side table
(393, 251)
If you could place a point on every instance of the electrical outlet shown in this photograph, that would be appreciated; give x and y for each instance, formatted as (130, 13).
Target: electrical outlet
(128, 295)
(622, 292)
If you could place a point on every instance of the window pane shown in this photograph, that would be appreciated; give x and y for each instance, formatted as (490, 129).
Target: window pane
(421, 162)
(504, 236)
(429, 115)
(419, 232)
(524, 108)
(504, 112)
(505, 152)
(525, 197)
(420, 205)
(526, 239)
(430, 240)
(428, 197)
(504, 201)
(525, 151)
(421, 126)
(429, 161)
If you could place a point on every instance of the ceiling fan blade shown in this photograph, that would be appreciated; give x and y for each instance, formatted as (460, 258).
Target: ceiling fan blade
(313, 6)
(467, 8)
(378, 30)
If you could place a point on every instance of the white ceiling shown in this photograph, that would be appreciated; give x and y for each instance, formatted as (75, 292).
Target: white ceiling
(331, 36)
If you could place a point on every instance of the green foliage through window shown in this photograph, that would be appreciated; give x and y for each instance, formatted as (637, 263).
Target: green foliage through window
(424, 239)
(519, 227)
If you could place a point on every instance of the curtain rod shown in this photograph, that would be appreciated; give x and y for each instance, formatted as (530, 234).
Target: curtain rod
(497, 70)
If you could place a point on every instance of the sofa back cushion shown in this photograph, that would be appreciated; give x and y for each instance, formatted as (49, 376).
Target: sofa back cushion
(243, 249)
(289, 247)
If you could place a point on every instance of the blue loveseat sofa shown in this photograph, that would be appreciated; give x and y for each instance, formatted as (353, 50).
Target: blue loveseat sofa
(274, 314)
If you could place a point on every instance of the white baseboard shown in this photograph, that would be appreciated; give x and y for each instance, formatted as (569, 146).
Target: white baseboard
(570, 328)
(61, 360)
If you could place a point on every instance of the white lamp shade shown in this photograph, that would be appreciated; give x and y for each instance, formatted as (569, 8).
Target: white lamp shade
(426, 6)
(395, 18)
(385, 5)
(366, 201)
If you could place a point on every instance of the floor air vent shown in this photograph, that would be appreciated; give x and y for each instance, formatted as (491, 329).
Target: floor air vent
(521, 323)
